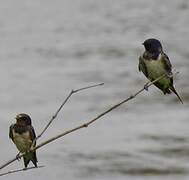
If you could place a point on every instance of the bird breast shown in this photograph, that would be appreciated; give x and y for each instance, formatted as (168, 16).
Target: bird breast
(155, 68)
(22, 141)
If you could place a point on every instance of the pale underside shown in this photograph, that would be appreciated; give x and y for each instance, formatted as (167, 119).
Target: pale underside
(156, 69)
(22, 141)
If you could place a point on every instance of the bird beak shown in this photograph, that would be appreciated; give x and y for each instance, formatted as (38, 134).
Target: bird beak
(142, 43)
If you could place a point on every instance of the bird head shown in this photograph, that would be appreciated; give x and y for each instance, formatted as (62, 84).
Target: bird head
(23, 119)
(153, 46)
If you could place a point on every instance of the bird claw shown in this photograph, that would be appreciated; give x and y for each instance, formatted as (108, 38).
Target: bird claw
(18, 156)
(146, 87)
(169, 75)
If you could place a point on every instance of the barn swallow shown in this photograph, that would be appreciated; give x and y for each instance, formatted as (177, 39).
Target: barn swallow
(155, 63)
(22, 134)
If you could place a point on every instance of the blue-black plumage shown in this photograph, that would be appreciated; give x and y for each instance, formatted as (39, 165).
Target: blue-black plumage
(155, 63)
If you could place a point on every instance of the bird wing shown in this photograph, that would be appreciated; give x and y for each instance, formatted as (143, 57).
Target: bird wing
(31, 156)
(167, 63)
(32, 133)
(10, 132)
(142, 66)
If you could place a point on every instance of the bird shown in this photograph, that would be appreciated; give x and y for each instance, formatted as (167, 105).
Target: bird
(155, 63)
(23, 135)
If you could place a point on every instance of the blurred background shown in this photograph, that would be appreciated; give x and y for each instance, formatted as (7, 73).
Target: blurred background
(49, 47)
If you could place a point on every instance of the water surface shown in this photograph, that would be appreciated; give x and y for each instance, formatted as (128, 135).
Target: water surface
(49, 47)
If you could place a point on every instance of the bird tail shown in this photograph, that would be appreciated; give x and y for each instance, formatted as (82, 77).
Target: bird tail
(34, 158)
(30, 157)
(173, 90)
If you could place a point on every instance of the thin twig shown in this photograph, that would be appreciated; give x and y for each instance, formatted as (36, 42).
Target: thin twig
(55, 115)
(18, 170)
(61, 106)
(148, 84)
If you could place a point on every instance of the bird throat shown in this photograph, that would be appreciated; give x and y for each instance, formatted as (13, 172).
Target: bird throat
(151, 55)
(20, 129)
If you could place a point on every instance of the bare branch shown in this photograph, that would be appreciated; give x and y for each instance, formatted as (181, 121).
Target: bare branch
(61, 106)
(18, 170)
(148, 84)
(53, 117)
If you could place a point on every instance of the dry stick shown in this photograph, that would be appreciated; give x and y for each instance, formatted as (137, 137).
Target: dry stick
(54, 116)
(18, 170)
(61, 106)
(148, 84)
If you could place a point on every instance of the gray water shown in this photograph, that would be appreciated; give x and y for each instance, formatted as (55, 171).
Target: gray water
(49, 47)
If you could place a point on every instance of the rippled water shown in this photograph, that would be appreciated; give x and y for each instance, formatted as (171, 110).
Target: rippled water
(49, 47)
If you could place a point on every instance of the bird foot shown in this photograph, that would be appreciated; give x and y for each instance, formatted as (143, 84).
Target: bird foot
(18, 156)
(146, 87)
(169, 75)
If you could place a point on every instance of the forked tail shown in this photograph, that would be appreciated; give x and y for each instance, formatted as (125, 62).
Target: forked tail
(173, 90)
